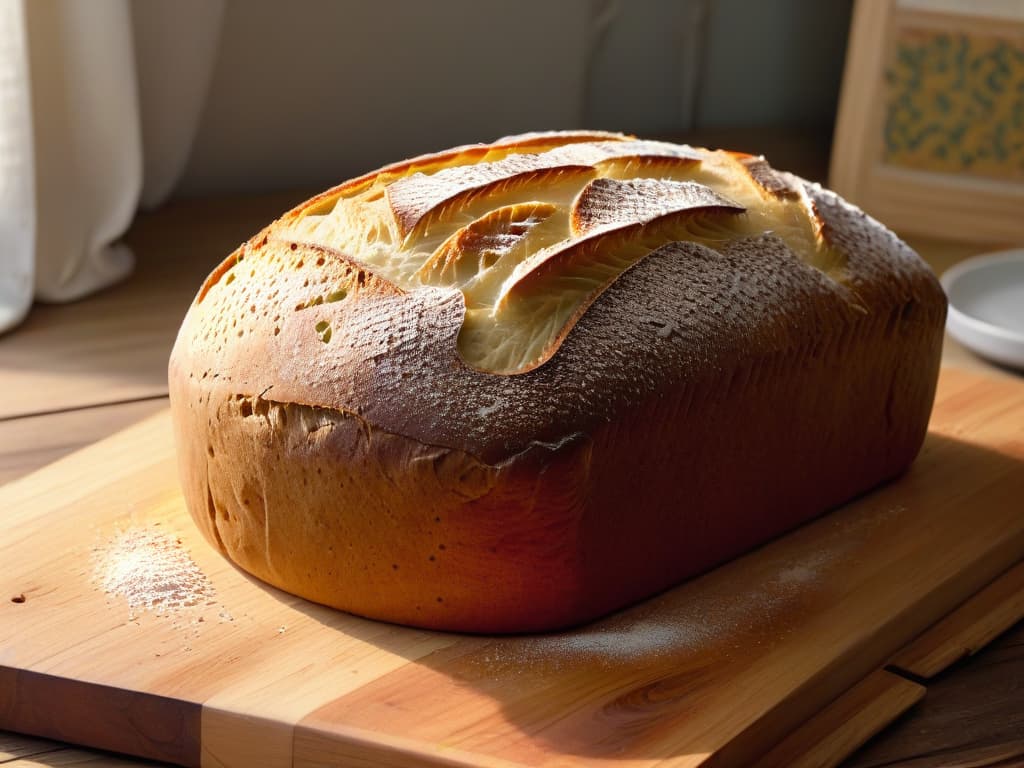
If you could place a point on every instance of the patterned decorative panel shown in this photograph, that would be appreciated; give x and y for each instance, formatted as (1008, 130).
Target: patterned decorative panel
(954, 103)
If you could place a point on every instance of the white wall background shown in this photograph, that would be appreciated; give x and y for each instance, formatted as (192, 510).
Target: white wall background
(314, 91)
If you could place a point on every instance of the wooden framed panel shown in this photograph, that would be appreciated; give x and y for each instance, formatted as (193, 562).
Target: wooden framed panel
(930, 131)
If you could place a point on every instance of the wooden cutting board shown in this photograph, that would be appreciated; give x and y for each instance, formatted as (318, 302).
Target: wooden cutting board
(787, 644)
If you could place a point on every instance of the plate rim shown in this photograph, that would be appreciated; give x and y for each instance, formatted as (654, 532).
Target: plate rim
(973, 264)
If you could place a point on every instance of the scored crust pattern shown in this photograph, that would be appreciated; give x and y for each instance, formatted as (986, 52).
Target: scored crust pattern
(331, 307)
(531, 235)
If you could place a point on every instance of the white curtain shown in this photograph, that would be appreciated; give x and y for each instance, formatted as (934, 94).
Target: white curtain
(99, 103)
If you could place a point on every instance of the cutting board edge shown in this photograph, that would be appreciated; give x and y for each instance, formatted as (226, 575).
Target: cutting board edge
(149, 725)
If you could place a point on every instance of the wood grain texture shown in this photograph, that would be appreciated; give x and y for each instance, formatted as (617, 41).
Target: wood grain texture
(30, 442)
(968, 629)
(846, 723)
(726, 664)
(14, 746)
(858, 122)
(17, 751)
(77, 711)
(155, 654)
(947, 206)
(78, 758)
(972, 717)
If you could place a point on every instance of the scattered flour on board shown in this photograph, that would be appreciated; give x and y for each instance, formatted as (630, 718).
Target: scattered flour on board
(720, 616)
(152, 571)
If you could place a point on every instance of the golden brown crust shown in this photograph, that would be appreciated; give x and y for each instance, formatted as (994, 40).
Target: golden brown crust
(608, 203)
(415, 198)
(486, 240)
(705, 399)
(434, 160)
(773, 183)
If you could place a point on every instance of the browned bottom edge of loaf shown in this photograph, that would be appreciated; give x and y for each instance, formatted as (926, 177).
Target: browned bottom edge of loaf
(323, 505)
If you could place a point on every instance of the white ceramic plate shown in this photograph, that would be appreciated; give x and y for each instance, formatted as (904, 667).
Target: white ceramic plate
(986, 305)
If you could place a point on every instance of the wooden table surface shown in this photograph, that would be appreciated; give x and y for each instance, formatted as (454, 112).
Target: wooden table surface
(73, 374)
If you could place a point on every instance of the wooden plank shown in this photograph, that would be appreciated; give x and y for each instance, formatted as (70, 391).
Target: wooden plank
(973, 718)
(952, 207)
(840, 728)
(244, 656)
(30, 442)
(858, 118)
(14, 745)
(79, 712)
(252, 720)
(369, 749)
(968, 629)
(724, 664)
(78, 758)
(113, 346)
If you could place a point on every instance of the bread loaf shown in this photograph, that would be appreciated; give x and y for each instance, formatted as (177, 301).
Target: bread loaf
(512, 387)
